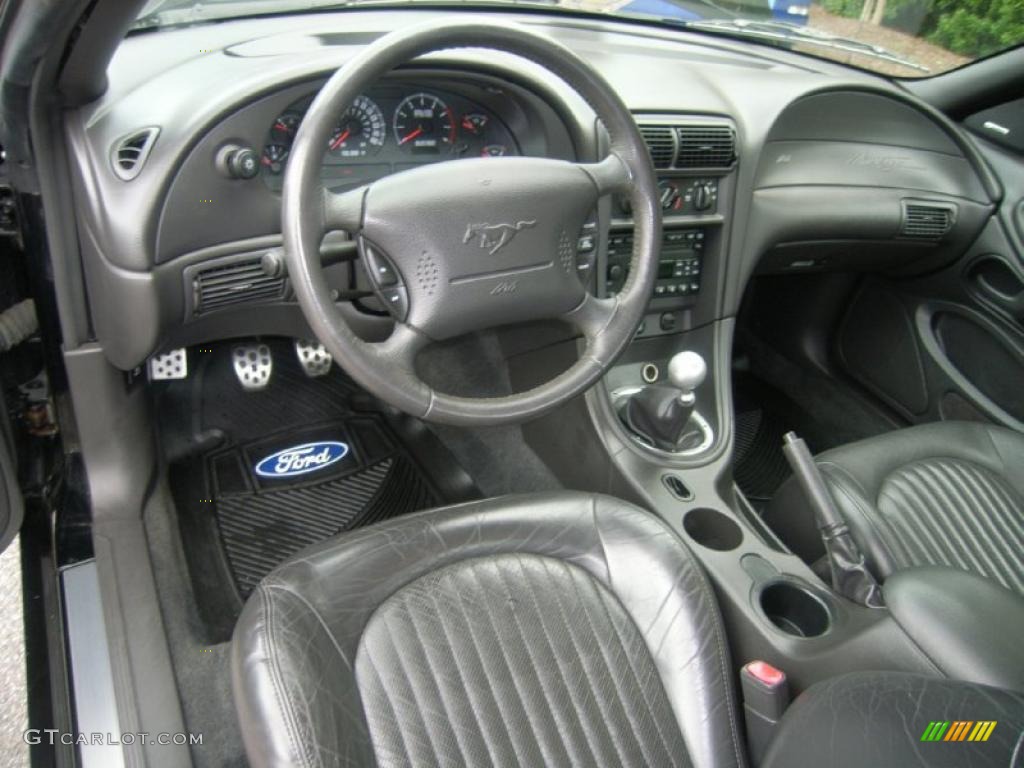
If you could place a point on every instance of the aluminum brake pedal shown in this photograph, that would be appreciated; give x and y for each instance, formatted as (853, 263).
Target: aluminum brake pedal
(253, 365)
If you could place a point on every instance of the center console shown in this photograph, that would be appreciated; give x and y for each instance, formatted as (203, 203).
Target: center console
(668, 435)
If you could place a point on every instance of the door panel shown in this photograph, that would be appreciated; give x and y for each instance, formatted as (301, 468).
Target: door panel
(950, 345)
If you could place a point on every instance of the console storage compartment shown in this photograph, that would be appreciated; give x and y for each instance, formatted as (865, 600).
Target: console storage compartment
(969, 626)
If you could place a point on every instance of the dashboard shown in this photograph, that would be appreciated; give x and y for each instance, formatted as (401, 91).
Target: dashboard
(767, 161)
(389, 129)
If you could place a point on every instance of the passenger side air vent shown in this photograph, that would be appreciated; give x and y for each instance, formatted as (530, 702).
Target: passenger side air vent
(239, 281)
(926, 222)
(130, 152)
(706, 146)
(661, 143)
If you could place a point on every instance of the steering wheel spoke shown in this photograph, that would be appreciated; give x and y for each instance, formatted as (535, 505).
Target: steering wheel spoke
(401, 347)
(592, 316)
(609, 175)
(344, 210)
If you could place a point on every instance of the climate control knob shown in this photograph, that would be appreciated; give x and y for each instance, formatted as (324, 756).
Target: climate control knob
(703, 196)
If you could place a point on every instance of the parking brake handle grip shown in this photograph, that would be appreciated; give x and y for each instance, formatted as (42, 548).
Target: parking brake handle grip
(850, 576)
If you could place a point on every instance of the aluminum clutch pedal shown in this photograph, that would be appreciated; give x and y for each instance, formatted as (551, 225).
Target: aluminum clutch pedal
(314, 358)
(253, 365)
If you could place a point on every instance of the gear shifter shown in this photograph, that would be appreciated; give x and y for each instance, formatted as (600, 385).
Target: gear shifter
(660, 414)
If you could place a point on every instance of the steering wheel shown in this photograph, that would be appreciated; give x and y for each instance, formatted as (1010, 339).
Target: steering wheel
(469, 244)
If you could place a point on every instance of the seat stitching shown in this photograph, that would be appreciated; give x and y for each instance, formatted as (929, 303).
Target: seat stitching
(636, 677)
(411, 685)
(462, 677)
(603, 708)
(987, 526)
(561, 672)
(504, 659)
(390, 704)
(918, 521)
(486, 673)
(930, 483)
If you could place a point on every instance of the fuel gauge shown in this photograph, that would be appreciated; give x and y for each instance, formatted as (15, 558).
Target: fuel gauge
(474, 123)
(494, 150)
(274, 158)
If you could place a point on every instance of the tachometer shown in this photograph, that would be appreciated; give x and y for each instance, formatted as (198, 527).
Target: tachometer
(424, 124)
(360, 131)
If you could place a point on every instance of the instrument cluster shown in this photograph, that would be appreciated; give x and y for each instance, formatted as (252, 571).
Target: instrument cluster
(388, 129)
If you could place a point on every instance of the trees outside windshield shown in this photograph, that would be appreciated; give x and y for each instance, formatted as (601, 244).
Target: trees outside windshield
(939, 34)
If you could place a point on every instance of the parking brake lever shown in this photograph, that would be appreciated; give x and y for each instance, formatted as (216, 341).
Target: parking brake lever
(850, 576)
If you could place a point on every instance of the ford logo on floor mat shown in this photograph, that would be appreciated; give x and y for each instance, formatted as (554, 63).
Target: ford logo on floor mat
(302, 459)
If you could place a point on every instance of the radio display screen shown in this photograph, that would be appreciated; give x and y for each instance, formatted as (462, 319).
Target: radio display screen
(666, 269)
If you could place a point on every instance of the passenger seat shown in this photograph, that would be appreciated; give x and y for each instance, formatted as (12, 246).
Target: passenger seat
(948, 493)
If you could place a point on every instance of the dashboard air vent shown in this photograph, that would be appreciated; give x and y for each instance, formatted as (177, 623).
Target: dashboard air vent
(130, 152)
(238, 282)
(661, 144)
(706, 146)
(926, 222)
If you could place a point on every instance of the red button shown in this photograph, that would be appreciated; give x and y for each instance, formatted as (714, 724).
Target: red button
(765, 673)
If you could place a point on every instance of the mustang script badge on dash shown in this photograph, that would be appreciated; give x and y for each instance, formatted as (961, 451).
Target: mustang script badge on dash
(301, 459)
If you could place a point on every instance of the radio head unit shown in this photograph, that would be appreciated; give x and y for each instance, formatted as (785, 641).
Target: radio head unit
(679, 262)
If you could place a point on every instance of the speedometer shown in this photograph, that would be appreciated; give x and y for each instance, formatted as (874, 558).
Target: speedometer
(360, 131)
(424, 124)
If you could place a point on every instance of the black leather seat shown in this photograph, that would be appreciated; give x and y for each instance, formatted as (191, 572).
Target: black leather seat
(556, 630)
(564, 629)
(949, 493)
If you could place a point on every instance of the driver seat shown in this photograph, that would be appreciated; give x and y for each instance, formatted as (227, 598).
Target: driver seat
(557, 629)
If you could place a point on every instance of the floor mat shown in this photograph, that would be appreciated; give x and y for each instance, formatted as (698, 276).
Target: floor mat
(763, 416)
(258, 476)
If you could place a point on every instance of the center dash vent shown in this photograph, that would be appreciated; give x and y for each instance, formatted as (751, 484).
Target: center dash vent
(661, 143)
(706, 146)
(130, 152)
(690, 146)
(926, 222)
(240, 281)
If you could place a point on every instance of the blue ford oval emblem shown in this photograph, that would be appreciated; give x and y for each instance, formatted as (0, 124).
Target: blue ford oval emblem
(301, 459)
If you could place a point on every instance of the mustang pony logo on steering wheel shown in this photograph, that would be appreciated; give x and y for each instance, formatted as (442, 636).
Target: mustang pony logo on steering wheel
(495, 236)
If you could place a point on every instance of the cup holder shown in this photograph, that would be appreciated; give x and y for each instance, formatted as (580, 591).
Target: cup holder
(795, 609)
(711, 529)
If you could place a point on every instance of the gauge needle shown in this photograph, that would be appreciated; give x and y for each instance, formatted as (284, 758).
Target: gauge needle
(411, 136)
(341, 139)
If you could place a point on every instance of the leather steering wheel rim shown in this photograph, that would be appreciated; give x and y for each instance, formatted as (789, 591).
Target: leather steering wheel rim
(387, 369)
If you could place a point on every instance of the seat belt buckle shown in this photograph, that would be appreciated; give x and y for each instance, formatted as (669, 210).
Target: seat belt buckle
(765, 698)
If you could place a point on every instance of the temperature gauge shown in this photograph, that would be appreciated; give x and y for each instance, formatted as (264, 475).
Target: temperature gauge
(494, 150)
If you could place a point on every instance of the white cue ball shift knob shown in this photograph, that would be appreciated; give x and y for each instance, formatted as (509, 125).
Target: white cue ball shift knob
(687, 370)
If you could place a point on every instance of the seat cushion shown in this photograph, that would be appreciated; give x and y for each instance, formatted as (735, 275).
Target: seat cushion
(950, 493)
(564, 629)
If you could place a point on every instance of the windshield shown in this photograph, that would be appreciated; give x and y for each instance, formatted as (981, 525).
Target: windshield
(902, 38)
